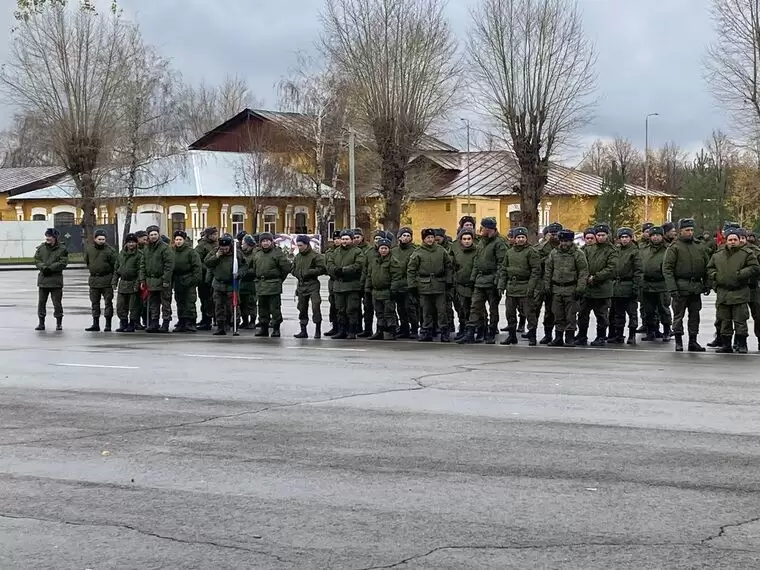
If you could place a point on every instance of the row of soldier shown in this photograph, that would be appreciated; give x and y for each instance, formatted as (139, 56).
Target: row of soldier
(415, 291)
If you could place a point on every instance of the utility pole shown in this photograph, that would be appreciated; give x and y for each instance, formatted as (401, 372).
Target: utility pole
(467, 123)
(646, 165)
(352, 175)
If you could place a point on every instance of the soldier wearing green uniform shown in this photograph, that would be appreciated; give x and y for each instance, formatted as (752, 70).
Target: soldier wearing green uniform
(206, 245)
(518, 277)
(565, 279)
(685, 271)
(654, 295)
(332, 248)
(126, 284)
(308, 265)
(100, 260)
(730, 271)
(346, 266)
(156, 268)
(406, 300)
(463, 258)
(272, 267)
(602, 263)
(543, 296)
(367, 310)
(188, 272)
(445, 242)
(142, 307)
(379, 279)
(643, 243)
(220, 264)
(754, 291)
(626, 289)
(166, 295)
(428, 272)
(247, 287)
(50, 259)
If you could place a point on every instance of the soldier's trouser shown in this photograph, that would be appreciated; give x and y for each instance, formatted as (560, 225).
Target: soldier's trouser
(186, 299)
(683, 303)
(434, 311)
(480, 298)
(140, 308)
(367, 310)
(450, 296)
(166, 304)
(754, 309)
(565, 311)
(733, 319)
(106, 293)
(463, 306)
(222, 308)
(622, 306)
(385, 312)
(407, 305)
(656, 310)
(127, 307)
(601, 309)
(549, 318)
(206, 295)
(526, 306)
(56, 294)
(316, 308)
(155, 304)
(248, 305)
(333, 307)
(270, 309)
(348, 305)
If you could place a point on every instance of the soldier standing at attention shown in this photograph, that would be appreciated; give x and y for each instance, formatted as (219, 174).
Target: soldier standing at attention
(206, 245)
(248, 285)
(126, 284)
(50, 259)
(491, 250)
(626, 289)
(429, 271)
(271, 267)
(346, 266)
(367, 309)
(100, 259)
(685, 271)
(646, 229)
(565, 278)
(166, 295)
(654, 296)
(142, 322)
(602, 264)
(543, 297)
(188, 272)
(379, 279)
(156, 268)
(754, 292)
(332, 248)
(407, 301)
(518, 277)
(220, 265)
(308, 265)
(463, 259)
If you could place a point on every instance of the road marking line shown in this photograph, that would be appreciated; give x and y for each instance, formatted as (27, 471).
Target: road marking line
(327, 348)
(96, 366)
(230, 356)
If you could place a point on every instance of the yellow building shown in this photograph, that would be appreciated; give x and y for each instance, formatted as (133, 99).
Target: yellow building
(17, 181)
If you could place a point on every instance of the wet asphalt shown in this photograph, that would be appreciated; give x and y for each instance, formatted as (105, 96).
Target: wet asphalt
(176, 451)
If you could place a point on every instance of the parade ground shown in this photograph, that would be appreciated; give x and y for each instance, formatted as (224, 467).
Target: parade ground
(192, 451)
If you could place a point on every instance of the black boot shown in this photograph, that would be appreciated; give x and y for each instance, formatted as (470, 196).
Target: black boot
(263, 331)
(130, 328)
(667, 333)
(445, 336)
(532, 337)
(480, 334)
(505, 329)
(413, 331)
(389, 335)
(317, 330)
(601, 337)
(352, 332)
(340, 334)
(123, 324)
(559, 339)
(220, 331)
(426, 335)
(180, 327)
(460, 332)
(725, 345)
(164, 326)
(204, 324)
(569, 338)
(617, 336)
(679, 342)
(107, 328)
(649, 337)
(631, 337)
(378, 335)
(694, 346)
(366, 333)
(59, 323)
(276, 331)
(491, 334)
(244, 322)
(333, 330)
(716, 342)
(521, 326)
(152, 327)
(469, 336)
(511, 337)
(40, 324)
(547, 337)
(741, 341)
(190, 326)
(95, 326)
(581, 339)
(302, 334)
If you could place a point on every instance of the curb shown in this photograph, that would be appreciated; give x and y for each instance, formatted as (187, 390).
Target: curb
(10, 267)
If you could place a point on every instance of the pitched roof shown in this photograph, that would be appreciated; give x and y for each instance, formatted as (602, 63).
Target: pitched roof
(496, 173)
(301, 125)
(17, 180)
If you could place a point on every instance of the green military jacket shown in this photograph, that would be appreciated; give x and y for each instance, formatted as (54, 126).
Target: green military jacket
(203, 248)
(520, 271)
(544, 249)
(429, 270)
(488, 260)
(248, 279)
(730, 271)
(346, 266)
(307, 267)
(157, 266)
(379, 277)
(685, 267)
(652, 257)
(401, 254)
(51, 260)
(271, 267)
(566, 272)
(629, 273)
(127, 272)
(602, 263)
(463, 260)
(368, 252)
(221, 268)
(188, 267)
(100, 260)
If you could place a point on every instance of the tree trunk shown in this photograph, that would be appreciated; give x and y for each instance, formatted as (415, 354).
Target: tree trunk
(86, 187)
(393, 179)
(130, 198)
(533, 177)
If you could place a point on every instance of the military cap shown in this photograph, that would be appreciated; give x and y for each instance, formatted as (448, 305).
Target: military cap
(249, 241)
(225, 241)
(427, 232)
(685, 223)
(265, 236)
(210, 231)
(657, 230)
(646, 226)
(358, 231)
(521, 231)
(349, 233)
(464, 219)
(336, 235)
(735, 231)
(384, 242)
(180, 233)
(625, 232)
(465, 232)
(150, 229)
(488, 223)
(100, 233)
(141, 234)
(303, 239)
(131, 238)
(566, 235)
(404, 230)
(601, 229)
(52, 232)
(240, 235)
(439, 232)
(589, 230)
(378, 234)
(164, 238)
(668, 226)
(554, 228)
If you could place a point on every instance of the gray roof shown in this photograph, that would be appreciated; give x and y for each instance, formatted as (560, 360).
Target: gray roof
(16, 178)
(496, 173)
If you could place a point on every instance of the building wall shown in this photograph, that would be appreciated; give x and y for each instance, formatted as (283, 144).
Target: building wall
(432, 214)
(7, 213)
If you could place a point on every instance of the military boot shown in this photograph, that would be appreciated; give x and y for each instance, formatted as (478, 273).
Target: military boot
(413, 331)
(521, 326)
(333, 330)
(152, 327)
(547, 338)
(741, 341)
(366, 333)
(190, 326)
(340, 334)
(716, 342)
(378, 335)
(204, 324)
(469, 336)
(276, 331)
(532, 337)
(558, 339)
(263, 331)
(317, 330)
(123, 324)
(460, 332)
(130, 328)
(426, 335)
(107, 328)
(445, 335)
(59, 323)
(220, 331)
(164, 326)
(180, 326)
(389, 335)
(649, 337)
(95, 326)
(631, 336)
(40, 325)
(667, 333)
(725, 345)
(581, 339)
(570, 339)
(491, 334)
(511, 337)
(352, 332)
(694, 346)
(601, 339)
(139, 326)
(244, 321)
(302, 334)
(679, 342)
(480, 335)
(617, 336)
(505, 329)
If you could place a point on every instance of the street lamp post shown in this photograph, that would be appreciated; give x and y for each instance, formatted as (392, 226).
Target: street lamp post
(467, 122)
(646, 165)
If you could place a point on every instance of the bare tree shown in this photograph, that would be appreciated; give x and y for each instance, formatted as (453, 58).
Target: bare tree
(625, 157)
(595, 159)
(22, 144)
(69, 69)
(400, 59)
(533, 71)
(28, 8)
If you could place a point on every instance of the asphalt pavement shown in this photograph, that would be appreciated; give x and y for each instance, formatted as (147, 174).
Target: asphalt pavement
(180, 451)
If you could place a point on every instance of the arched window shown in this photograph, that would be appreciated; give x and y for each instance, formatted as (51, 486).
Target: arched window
(178, 222)
(270, 219)
(238, 223)
(63, 219)
(39, 217)
(301, 227)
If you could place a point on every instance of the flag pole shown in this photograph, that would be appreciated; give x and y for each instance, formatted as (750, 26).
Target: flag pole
(234, 288)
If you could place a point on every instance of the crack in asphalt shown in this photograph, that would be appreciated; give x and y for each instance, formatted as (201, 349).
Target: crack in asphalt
(722, 530)
(131, 528)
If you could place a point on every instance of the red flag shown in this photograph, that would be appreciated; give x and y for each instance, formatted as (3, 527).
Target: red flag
(719, 239)
(144, 293)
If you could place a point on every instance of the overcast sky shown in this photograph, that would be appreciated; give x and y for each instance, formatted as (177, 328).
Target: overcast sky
(650, 54)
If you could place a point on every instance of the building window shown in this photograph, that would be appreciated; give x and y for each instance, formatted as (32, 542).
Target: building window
(330, 229)
(39, 217)
(270, 223)
(448, 207)
(178, 222)
(238, 223)
(468, 208)
(301, 227)
(63, 219)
